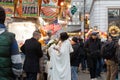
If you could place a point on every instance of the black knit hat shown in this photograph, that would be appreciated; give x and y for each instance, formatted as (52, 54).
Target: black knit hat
(2, 15)
(75, 39)
(94, 33)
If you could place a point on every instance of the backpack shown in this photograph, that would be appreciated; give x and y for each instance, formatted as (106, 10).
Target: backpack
(109, 50)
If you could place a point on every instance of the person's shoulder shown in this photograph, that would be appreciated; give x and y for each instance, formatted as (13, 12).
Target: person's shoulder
(99, 39)
(76, 45)
(67, 41)
(28, 40)
(9, 33)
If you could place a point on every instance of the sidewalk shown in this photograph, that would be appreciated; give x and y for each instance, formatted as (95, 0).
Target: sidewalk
(86, 76)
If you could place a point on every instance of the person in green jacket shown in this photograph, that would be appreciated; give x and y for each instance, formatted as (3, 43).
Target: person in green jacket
(10, 59)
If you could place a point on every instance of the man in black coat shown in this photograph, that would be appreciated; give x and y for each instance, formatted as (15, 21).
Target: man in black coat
(33, 53)
(93, 48)
(75, 58)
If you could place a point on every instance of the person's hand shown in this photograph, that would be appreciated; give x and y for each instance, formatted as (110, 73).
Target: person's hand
(56, 48)
(105, 60)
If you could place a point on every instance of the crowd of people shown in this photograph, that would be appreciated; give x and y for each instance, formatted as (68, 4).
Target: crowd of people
(64, 56)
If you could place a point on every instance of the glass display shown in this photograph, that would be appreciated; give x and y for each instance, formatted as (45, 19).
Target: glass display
(114, 17)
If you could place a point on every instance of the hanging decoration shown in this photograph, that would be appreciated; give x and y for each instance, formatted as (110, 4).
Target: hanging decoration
(49, 10)
(27, 8)
(59, 2)
(64, 13)
(18, 8)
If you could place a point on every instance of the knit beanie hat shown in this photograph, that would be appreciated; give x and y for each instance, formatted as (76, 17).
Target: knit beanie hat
(2, 15)
(75, 39)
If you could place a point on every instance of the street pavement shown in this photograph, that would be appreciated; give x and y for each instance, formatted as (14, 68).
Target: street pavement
(86, 76)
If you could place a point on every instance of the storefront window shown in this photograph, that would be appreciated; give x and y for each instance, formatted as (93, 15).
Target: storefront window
(114, 23)
(114, 17)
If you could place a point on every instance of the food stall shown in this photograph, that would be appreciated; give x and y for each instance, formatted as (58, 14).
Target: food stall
(24, 16)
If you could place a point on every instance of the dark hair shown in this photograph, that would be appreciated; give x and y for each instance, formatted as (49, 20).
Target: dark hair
(109, 36)
(75, 39)
(2, 15)
(64, 36)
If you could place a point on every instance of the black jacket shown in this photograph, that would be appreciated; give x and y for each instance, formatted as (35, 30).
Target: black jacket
(33, 53)
(75, 55)
(93, 47)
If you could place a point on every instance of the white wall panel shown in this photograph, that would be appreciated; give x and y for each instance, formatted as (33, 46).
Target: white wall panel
(99, 14)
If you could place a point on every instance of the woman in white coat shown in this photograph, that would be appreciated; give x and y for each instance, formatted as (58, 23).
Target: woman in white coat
(60, 59)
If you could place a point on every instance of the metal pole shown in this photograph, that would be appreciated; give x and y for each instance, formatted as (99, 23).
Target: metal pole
(84, 19)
